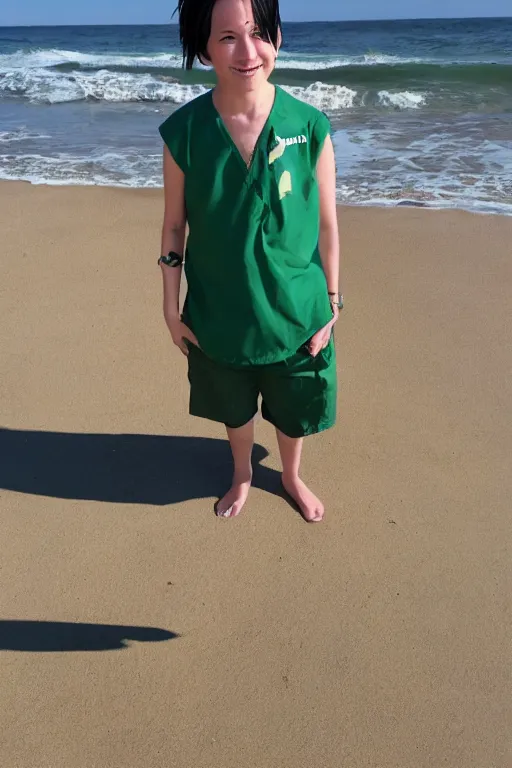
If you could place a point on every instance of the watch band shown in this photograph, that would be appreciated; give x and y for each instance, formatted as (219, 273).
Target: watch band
(172, 260)
(336, 299)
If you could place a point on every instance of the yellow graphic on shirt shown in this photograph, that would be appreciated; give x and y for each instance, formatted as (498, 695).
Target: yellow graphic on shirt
(285, 184)
(278, 151)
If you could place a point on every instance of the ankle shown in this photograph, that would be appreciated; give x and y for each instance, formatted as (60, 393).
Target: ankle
(289, 477)
(242, 475)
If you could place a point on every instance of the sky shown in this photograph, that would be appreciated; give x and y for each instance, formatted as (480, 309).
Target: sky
(34, 12)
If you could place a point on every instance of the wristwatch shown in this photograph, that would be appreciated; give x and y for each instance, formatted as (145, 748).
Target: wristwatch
(172, 260)
(336, 299)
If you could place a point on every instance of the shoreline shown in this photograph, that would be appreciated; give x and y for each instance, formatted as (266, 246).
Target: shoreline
(418, 205)
(411, 120)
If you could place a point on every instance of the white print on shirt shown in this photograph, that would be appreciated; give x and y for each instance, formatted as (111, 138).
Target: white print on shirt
(285, 184)
(296, 140)
(279, 150)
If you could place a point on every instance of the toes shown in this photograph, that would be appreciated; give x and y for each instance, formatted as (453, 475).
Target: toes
(232, 511)
(223, 512)
(316, 515)
(231, 504)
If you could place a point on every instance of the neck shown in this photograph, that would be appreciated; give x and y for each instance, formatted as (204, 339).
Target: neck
(243, 102)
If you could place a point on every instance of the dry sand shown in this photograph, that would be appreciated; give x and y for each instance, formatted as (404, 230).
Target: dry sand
(380, 638)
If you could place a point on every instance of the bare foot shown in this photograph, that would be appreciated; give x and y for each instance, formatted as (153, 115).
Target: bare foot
(310, 506)
(231, 504)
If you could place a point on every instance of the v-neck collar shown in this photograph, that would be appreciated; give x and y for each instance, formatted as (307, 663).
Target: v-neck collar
(264, 131)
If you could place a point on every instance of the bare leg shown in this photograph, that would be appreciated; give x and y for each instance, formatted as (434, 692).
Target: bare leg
(241, 441)
(290, 449)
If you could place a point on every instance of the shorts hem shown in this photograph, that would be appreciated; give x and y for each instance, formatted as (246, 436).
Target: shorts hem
(221, 421)
(322, 427)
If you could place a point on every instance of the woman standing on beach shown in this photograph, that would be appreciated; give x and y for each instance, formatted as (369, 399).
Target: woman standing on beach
(252, 171)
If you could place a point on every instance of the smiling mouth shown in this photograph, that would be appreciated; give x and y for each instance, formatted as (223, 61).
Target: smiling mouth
(246, 72)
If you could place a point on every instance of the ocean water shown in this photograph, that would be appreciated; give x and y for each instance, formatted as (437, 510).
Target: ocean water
(421, 110)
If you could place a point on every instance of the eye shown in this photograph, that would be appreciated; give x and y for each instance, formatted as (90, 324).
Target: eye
(227, 37)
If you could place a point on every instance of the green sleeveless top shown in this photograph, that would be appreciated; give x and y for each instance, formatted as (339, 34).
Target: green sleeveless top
(256, 288)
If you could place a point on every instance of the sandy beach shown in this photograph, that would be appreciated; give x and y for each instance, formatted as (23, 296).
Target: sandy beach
(137, 629)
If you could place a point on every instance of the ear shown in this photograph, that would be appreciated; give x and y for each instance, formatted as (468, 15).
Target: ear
(279, 40)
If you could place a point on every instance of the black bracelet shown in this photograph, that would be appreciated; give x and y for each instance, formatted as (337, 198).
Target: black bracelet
(172, 260)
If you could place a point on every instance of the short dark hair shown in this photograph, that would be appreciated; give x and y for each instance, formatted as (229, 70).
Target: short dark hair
(195, 21)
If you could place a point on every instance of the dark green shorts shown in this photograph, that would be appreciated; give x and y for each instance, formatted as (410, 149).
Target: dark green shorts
(298, 394)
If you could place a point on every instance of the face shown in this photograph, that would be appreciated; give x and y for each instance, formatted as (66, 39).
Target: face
(239, 56)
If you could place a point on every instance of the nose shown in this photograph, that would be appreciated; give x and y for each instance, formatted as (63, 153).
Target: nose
(246, 49)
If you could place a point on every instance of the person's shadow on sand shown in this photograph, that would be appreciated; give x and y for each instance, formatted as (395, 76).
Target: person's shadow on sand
(54, 636)
(129, 469)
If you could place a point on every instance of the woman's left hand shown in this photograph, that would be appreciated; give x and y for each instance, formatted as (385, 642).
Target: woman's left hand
(322, 337)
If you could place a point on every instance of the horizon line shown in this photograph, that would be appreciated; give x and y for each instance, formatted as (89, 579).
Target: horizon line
(285, 21)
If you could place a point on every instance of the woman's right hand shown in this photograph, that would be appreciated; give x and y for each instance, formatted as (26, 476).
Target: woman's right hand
(180, 333)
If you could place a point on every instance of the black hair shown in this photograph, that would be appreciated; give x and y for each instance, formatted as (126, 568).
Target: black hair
(195, 21)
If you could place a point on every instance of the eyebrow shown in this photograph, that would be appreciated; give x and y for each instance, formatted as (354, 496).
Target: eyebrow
(223, 32)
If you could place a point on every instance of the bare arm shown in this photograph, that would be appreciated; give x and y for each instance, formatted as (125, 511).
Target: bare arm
(173, 239)
(173, 231)
(329, 242)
